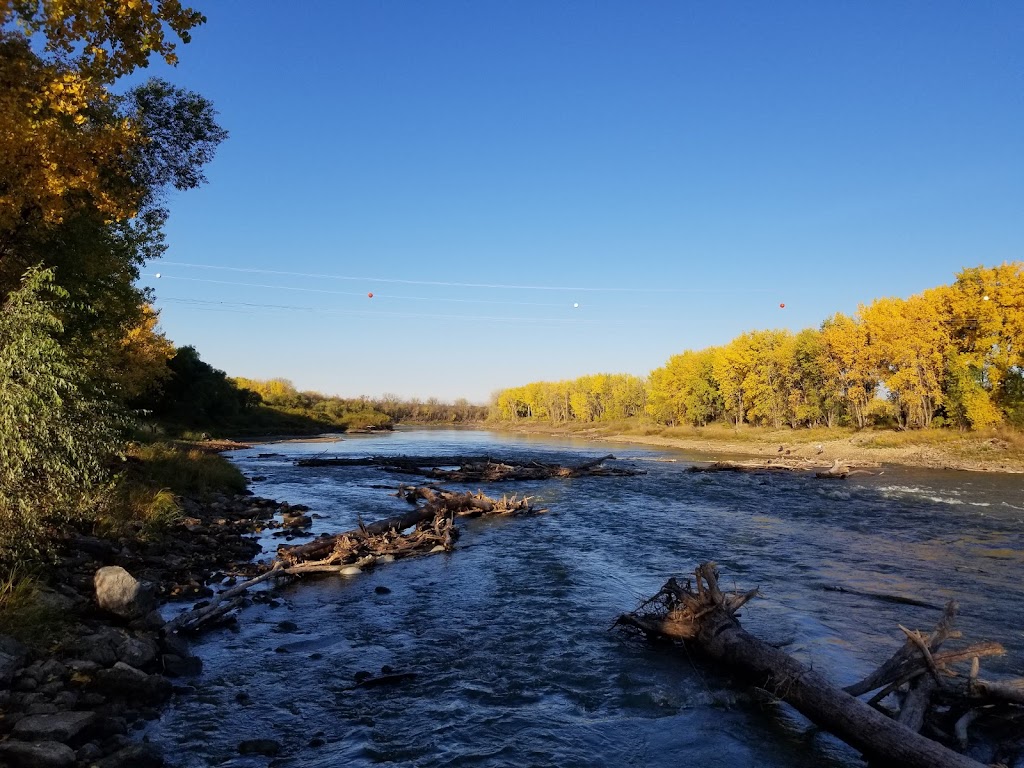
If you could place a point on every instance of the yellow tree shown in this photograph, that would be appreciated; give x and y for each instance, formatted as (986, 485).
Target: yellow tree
(732, 365)
(984, 315)
(61, 146)
(685, 390)
(138, 363)
(769, 376)
(908, 344)
(846, 367)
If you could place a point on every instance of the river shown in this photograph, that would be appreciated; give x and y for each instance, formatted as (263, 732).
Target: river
(509, 636)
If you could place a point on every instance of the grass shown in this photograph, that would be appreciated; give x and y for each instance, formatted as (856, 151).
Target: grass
(144, 499)
(24, 615)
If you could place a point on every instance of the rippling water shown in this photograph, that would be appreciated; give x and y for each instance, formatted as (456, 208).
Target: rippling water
(509, 635)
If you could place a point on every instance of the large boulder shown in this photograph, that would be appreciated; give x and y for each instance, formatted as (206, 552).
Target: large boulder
(120, 593)
(45, 754)
(63, 726)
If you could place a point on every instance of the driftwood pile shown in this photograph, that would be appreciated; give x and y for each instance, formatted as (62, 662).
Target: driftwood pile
(477, 469)
(839, 469)
(428, 528)
(935, 697)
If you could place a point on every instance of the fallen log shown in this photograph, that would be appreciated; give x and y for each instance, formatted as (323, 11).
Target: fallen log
(706, 617)
(477, 469)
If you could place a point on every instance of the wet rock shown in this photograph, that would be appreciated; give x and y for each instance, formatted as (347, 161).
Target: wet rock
(350, 570)
(133, 756)
(178, 666)
(83, 666)
(286, 626)
(316, 741)
(138, 651)
(61, 727)
(382, 590)
(66, 700)
(267, 747)
(44, 754)
(120, 593)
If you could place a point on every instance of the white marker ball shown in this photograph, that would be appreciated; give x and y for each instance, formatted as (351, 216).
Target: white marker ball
(575, 305)
(157, 275)
(984, 298)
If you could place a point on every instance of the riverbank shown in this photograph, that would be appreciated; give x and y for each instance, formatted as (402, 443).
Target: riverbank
(84, 660)
(932, 449)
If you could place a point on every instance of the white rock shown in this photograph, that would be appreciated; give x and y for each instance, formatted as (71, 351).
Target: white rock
(120, 593)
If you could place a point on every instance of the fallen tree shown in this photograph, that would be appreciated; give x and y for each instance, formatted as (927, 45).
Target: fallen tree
(705, 617)
(838, 469)
(478, 469)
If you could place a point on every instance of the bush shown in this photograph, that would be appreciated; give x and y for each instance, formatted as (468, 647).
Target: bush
(56, 437)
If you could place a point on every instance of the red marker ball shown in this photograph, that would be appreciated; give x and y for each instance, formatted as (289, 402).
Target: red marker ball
(369, 295)
(781, 306)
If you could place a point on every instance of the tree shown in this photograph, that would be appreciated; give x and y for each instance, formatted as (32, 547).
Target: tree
(62, 146)
(56, 435)
(846, 368)
(908, 344)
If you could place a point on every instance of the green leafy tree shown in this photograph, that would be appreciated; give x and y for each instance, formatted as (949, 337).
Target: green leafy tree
(56, 435)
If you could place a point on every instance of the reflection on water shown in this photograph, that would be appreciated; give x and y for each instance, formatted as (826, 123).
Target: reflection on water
(508, 636)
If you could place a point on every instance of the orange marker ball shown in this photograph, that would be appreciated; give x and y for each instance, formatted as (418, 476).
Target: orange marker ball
(369, 295)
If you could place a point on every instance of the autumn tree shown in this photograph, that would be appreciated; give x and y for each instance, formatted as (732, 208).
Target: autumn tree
(846, 367)
(685, 390)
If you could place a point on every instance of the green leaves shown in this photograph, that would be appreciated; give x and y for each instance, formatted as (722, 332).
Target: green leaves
(56, 436)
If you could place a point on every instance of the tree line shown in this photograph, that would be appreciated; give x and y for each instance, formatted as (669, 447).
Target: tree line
(950, 356)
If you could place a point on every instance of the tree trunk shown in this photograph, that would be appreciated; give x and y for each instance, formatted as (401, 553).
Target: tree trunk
(707, 618)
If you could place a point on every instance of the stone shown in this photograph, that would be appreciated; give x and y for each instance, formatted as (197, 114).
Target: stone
(133, 756)
(43, 708)
(51, 670)
(286, 626)
(44, 754)
(137, 651)
(120, 593)
(99, 647)
(12, 658)
(89, 753)
(61, 727)
(350, 570)
(131, 683)
(267, 747)
(382, 590)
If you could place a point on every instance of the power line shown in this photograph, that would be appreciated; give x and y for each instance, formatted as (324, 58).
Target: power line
(455, 284)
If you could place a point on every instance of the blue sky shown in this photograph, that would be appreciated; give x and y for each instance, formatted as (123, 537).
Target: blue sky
(676, 169)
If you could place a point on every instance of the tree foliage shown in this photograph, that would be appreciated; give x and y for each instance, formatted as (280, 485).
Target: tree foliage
(57, 435)
(950, 355)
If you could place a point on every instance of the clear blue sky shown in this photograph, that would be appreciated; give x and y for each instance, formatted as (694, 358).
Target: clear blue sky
(678, 169)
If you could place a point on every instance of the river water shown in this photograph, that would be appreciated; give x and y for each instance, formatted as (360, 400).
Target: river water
(509, 636)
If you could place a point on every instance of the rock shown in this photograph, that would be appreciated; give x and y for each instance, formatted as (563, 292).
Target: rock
(120, 593)
(43, 708)
(350, 570)
(137, 651)
(286, 626)
(61, 727)
(296, 521)
(99, 647)
(51, 670)
(131, 683)
(267, 747)
(178, 666)
(382, 590)
(133, 756)
(12, 658)
(89, 753)
(66, 700)
(44, 754)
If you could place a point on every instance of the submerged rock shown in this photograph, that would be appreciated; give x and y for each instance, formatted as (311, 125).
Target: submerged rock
(267, 747)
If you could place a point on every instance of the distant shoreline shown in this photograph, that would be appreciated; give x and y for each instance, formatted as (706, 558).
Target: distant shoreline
(971, 452)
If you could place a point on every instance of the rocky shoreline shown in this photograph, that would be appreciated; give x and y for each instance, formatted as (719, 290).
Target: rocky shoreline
(79, 701)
